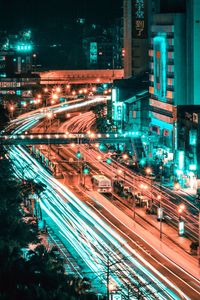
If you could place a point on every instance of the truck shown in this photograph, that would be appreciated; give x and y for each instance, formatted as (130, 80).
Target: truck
(101, 184)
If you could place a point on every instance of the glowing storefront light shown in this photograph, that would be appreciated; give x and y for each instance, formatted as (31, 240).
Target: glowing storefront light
(181, 156)
(24, 47)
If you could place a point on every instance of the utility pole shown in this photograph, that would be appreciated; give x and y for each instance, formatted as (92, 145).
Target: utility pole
(108, 277)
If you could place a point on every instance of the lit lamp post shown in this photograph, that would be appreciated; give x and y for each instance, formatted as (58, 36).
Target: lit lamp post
(181, 209)
(54, 98)
(160, 214)
(121, 173)
(11, 108)
(46, 90)
(143, 188)
(148, 172)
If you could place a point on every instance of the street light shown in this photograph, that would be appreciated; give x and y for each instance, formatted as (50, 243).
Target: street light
(181, 209)
(148, 171)
(160, 214)
(12, 108)
(125, 156)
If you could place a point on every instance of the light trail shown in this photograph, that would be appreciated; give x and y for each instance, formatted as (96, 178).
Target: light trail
(90, 237)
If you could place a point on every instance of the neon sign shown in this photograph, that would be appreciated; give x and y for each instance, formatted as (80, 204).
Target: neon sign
(160, 63)
(139, 10)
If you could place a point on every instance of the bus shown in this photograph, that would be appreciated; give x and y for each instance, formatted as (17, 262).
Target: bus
(101, 184)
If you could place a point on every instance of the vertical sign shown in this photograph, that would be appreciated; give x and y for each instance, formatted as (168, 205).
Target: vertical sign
(140, 19)
(93, 53)
(160, 65)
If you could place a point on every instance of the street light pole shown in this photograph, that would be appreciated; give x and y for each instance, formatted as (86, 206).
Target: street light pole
(161, 215)
(108, 277)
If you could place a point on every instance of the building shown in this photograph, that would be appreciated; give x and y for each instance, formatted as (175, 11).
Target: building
(193, 50)
(167, 73)
(102, 46)
(15, 55)
(16, 81)
(174, 77)
(137, 21)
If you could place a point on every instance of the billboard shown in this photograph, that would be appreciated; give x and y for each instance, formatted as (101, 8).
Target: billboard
(140, 19)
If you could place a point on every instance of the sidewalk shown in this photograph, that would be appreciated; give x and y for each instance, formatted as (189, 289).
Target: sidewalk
(175, 252)
(168, 232)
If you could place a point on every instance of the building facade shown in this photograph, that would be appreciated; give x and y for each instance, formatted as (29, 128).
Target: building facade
(174, 81)
(137, 19)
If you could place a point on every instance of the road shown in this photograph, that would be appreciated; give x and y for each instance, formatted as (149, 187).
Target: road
(96, 240)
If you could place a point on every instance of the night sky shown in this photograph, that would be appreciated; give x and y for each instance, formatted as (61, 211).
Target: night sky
(18, 14)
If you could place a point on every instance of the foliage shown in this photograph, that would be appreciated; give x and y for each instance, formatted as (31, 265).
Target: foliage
(101, 120)
(3, 117)
(40, 274)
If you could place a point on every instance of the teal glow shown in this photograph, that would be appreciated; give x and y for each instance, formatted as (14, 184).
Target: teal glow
(142, 162)
(117, 111)
(24, 47)
(160, 65)
(108, 160)
(78, 154)
(18, 92)
(3, 75)
(192, 167)
(86, 170)
(162, 124)
(179, 172)
(181, 156)
(181, 227)
(193, 137)
(101, 147)
(114, 95)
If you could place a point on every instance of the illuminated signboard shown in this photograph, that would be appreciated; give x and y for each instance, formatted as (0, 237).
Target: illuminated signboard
(117, 115)
(160, 64)
(140, 22)
(93, 53)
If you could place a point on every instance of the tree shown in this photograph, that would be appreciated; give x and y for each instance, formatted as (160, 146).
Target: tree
(40, 274)
(100, 114)
(3, 117)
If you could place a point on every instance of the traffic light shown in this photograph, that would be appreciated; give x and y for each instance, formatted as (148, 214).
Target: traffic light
(86, 170)
(108, 160)
(123, 52)
(78, 154)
